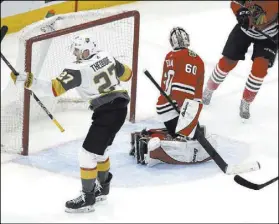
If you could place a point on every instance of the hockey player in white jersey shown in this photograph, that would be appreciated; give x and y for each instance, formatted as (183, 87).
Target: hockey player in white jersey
(96, 75)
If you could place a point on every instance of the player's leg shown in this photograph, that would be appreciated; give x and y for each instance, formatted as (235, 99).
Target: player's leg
(116, 120)
(263, 57)
(171, 126)
(140, 139)
(183, 149)
(107, 120)
(177, 151)
(88, 175)
(94, 144)
(104, 177)
(235, 49)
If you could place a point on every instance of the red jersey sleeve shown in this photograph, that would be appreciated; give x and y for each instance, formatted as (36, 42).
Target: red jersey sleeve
(235, 6)
(199, 80)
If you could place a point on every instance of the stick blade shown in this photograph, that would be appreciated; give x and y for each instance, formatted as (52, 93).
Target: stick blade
(243, 168)
(241, 181)
(4, 30)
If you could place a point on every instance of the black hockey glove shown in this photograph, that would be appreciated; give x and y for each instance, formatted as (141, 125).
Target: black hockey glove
(243, 18)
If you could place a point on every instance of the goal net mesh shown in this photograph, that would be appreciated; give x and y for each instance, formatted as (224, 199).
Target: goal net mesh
(47, 54)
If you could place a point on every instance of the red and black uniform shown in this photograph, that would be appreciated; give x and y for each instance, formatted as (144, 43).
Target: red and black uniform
(183, 77)
(263, 16)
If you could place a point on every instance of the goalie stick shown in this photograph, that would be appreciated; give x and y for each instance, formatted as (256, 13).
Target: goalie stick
(226, 168)
(245, 183)
(4, 30)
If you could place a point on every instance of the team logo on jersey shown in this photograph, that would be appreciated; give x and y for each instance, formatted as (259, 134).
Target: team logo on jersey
(258, 15)
(192, 54)
(87, 40)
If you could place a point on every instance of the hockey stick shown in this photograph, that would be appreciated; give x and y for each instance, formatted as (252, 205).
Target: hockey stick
(4, 30)
(242, 3)
(227, 169)
(245, 183)
(32, 93)
(266, 35)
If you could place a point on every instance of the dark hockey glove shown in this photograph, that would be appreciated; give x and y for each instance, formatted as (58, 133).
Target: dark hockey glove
(243, 18)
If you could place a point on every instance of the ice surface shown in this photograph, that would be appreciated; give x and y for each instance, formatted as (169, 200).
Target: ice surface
(35, 188)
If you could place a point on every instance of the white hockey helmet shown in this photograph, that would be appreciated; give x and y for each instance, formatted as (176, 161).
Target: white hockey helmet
(82, 43)
(179, 38)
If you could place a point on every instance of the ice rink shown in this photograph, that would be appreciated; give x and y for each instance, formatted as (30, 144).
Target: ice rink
(35, 188)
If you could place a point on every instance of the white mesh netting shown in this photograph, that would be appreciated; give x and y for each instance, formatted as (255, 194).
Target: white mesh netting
(49, 58)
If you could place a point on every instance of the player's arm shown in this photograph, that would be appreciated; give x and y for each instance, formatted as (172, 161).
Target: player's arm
(123, 72)
(190, 95)
(242, 14)
(199, 81)
(68, 79)
(236, 5)
(191, 108)
(181, 88)
(188, 80)
(271, 12)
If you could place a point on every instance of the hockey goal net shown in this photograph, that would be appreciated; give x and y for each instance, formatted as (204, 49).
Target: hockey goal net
(44, 50)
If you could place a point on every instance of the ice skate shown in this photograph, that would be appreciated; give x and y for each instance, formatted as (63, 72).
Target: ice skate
(244, 110)
(102, 189)
(207, 95)
(82, 204)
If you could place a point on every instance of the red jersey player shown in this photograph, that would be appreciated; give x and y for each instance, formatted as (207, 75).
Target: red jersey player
(182, 81)
(250, 15)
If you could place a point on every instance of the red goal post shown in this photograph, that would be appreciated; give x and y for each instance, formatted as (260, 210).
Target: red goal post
(99, 22)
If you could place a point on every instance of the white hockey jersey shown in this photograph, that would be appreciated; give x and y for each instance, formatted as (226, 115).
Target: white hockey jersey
(96, 79)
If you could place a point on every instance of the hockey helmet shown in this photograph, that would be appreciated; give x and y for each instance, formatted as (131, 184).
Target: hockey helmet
(82, 43)
(179, 38)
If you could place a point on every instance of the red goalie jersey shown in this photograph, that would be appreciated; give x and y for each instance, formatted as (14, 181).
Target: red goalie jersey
(183, 77)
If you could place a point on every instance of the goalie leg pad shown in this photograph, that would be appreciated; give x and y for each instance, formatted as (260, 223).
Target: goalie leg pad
(140, 139)
(138, 146)
(176, 152)
(188, 152)
(153, 147)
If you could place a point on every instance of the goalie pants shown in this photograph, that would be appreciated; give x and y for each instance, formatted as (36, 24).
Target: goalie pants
(171, 126)
(106, 122)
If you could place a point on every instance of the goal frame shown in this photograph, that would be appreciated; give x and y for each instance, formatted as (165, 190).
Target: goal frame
(28, 68)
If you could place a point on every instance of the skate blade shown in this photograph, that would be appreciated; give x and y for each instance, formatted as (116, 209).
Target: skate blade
(86, 209)
(101, 198)
(244, 120)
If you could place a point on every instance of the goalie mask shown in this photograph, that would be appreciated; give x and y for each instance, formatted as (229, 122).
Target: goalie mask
(179, 38)
(81, 44)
